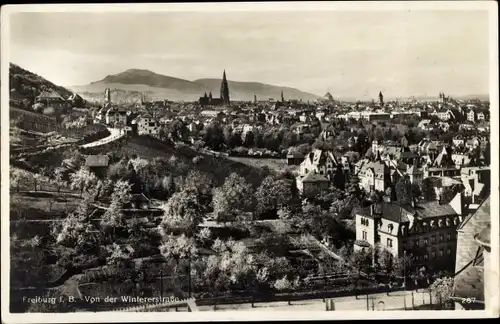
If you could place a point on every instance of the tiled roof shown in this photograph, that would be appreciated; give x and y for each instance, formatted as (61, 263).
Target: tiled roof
(390, 211)
(50, 95)
(313, 177)
(469, 279)
(377, 167)
(97, 161)
(430, 209)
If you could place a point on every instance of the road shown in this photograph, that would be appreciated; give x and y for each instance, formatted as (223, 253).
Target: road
(380, 301)
(115, 133)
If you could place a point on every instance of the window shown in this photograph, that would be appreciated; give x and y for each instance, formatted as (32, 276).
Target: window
(390, 227)
(441, 253)
(417, 243)
(448, 251)
(389, 242)
(365, 235)
(433, 239)
(441, 237)
(426, 257)
(433, 254)
(448, 237)
(426, 241)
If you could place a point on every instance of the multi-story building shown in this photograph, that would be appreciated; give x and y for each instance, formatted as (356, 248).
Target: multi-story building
(320, 161)
(471, 116)
(312, 184)
(426, 231)
(373, 175)
(316, 172)
(116, 117)
(147, 125)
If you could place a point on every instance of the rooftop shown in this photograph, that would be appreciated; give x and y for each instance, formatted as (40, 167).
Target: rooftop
(469, 279)
(97, 161)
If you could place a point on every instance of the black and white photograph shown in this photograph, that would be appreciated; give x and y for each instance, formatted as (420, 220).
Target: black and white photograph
(248, 159)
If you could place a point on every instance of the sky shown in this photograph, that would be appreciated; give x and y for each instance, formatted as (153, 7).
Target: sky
(352, 54)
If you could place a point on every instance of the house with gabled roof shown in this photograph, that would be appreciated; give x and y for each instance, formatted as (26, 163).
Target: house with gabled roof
(320, 161)
(51, 99)
(373, 176)
(312, 184)
(98, 164)
(146, 125)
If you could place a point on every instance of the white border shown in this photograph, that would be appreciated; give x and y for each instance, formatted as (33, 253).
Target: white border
(490, 6)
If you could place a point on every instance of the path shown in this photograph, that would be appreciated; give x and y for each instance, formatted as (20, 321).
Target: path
(115, 133)
(395, 301)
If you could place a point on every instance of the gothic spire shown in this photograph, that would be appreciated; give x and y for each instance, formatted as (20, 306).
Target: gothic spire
(224, 89)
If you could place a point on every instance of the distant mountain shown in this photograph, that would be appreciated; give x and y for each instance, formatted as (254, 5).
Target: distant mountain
(26, 85)
(149, 78)
(159, 87)
(245, 90)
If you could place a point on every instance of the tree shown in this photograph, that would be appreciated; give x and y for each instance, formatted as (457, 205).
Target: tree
(361, 260)
(58, 178)
(428, 191)
(182, 212)
(272, 194)
(404, 190)
(202, 184)
(283, 284)
(385, 261)
(16, 176)
(403, 265)
(83, 180)
(117, 256)
(249, 140)
(178, 247)
(260, 278)
(121, 195)
(37, 179)
(442, 289)
(232, 198)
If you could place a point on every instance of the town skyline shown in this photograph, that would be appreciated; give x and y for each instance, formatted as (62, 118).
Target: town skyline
(443, 50)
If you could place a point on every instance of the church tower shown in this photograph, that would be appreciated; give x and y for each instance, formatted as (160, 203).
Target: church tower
(282, 97)
(381, 98)
(224, 89)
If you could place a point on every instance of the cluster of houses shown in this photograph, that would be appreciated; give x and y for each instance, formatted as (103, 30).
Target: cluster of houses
(439, 235)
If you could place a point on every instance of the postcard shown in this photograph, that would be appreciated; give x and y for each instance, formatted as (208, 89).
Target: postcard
(249, 161)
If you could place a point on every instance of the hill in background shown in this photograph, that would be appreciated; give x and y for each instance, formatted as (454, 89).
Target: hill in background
(24, 84)
(131, 83)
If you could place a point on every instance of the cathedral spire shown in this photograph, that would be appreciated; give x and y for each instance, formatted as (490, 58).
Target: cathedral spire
(224, 89)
